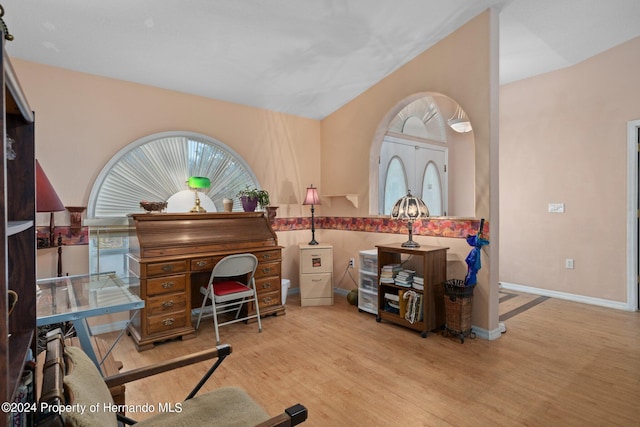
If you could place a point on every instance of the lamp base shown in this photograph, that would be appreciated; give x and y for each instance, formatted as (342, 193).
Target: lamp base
(313, 242)
(410, 244)
(197, 208)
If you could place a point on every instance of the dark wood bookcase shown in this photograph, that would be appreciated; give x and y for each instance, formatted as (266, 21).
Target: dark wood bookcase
(429, 261)
(18, 245)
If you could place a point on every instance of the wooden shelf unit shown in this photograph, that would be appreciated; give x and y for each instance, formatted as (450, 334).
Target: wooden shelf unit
(429, 261)
(18, 269)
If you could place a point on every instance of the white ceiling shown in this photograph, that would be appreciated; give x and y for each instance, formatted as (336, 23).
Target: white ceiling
(303, 57)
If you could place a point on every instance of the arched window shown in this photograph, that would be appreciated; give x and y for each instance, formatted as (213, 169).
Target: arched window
(419, 132)
(432, 189)
(156, 167)
(395, 185)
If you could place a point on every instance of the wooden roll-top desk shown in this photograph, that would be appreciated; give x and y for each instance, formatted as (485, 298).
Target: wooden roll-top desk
(173, 255)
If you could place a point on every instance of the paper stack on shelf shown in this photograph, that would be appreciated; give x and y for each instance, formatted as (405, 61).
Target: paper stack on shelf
(418, 283)
(388, 272)
(392, 303)
(405, 278)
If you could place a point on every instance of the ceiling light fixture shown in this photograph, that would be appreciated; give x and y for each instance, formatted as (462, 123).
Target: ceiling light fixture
(459, 122)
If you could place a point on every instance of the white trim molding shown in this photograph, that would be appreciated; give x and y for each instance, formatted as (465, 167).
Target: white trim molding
(633, 128)
(566, 296)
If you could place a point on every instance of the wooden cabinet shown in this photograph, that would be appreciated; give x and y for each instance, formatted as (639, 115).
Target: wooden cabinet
(316, 274)
(18, 247)
(430, 263)
(173, 255)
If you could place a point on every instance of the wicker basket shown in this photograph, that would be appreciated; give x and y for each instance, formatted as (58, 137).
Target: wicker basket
(458, 300)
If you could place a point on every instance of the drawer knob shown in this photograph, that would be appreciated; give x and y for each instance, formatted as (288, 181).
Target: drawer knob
(201, 263)
(266, 270)
(266, 256)
(168, 285)
(168, 322)
(266, 285)
(168, 303)
(266, 300)
(167, 268)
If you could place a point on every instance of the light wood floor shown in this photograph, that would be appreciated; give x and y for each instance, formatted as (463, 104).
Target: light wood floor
(559, 364)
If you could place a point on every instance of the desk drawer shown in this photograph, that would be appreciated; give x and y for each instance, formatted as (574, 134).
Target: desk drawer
(204, 264)
(166, 303)
(267, 269)
(167, 284)
(268, 284)
(269, 299)
(166, 322)
(268, 256)
(164, 268)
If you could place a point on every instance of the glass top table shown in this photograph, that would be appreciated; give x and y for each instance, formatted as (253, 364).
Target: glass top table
(75, 298)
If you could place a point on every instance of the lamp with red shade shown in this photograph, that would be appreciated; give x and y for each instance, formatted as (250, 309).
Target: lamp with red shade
(312, 199)
(47, 199)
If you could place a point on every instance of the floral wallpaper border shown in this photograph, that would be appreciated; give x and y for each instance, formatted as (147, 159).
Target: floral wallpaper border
(437, 227)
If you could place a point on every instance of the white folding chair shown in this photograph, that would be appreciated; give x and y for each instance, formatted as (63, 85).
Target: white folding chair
(230, 295)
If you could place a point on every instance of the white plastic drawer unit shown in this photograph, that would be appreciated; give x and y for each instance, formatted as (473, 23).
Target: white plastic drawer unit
(369, 261)
(318, 260)
(369, 282)
(368, 301)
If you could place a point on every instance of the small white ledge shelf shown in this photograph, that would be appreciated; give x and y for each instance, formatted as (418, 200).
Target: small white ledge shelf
(353, 198)
(15, 227)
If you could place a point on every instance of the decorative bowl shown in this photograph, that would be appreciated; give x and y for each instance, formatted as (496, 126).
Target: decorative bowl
(153, 206)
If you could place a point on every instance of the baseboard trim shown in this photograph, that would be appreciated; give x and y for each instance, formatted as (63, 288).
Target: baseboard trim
(566, 296)
(489, 334)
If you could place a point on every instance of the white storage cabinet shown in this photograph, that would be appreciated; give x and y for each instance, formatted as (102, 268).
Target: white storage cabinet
(316, 275)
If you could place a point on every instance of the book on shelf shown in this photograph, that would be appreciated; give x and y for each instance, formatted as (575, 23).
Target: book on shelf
(418, 283)
(24, 395)
(404, 278)
(391, 297)
(392, 303)
(402, 303)
(388, 272)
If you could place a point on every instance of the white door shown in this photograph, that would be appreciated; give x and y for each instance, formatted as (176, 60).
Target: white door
(423, 169)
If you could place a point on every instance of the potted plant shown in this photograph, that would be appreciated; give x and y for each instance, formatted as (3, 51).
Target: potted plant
(251, 197)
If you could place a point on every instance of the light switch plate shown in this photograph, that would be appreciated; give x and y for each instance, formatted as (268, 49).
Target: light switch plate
(556, 207)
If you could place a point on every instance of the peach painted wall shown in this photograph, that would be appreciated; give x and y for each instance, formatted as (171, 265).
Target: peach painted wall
(82, 120)
(563, 139)
(349, 133)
